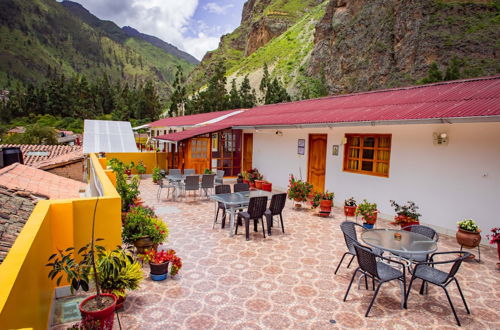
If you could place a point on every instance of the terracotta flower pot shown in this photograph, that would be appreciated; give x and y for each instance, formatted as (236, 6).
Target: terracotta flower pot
(142, 244)
(349, 211)
(498, 250)
(267, 186)
(104, 317)
(252, 184)
(246, 181)
(298, 202)
(258, 184)
(325, 207)
(469, 239)
(371, 219)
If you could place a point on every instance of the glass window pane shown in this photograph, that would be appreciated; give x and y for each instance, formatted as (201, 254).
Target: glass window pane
(354, 153)
(382, 168)
(355, 141)
(383, 154)
(367, 166)
(353, 164)
(368, 153)
(369, 141)
(384, 142)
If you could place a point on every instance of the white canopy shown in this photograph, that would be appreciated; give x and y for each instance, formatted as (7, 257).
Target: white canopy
(108, 136)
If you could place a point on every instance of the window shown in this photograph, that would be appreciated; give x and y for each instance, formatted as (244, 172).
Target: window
(226, 151)
(199, 148)
(368, 154)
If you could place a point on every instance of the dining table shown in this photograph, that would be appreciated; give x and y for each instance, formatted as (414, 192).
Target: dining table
(237, 200)
(176, 180)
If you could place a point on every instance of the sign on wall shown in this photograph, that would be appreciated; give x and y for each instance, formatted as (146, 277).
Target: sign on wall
(301, 147)
(335, 150)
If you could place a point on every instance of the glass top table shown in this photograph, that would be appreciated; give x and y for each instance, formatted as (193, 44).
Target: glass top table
(411, 244)
(236, 200)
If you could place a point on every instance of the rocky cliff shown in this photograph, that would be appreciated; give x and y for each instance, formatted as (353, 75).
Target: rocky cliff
(356, 45)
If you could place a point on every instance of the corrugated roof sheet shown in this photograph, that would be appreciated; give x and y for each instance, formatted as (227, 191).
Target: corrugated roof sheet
(187, 134)
(479, 97)
(190, 120)
(108, 136)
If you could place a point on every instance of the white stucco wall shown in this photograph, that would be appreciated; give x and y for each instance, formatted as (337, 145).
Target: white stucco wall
(449, 182)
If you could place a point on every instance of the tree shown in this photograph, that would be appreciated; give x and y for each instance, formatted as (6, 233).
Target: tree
(247, 94)
(34, 134)
(433, 75)
(234, 96)
(453, 70)
(178, 98)
(272, 89)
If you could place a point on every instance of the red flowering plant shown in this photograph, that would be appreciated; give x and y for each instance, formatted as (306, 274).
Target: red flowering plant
(495, 236)
(159, 257)
(298, 189)
(406, 213)
(253, 174)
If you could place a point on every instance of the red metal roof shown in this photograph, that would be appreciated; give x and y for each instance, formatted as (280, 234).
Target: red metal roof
(479, 97)
(189, 120)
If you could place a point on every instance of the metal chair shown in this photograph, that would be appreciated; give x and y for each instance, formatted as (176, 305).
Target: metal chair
(422, 230)
(174, 171)
(278, 202)
(428, 273)
(207, 182)
(221, 189)
(191, 183)
(378, 271)
(162, 185)
(219, 178)
(241, 187)
(189, 171)
(256, 208)
(349, 230)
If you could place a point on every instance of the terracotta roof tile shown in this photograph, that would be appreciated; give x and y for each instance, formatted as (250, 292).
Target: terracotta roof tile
(50, 152)
(39, 182)
(70, 157)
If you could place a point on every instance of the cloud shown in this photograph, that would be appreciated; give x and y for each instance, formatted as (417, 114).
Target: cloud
(214, 8)
(169, 20)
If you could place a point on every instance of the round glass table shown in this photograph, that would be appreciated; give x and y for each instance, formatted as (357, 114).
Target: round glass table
(408, 245)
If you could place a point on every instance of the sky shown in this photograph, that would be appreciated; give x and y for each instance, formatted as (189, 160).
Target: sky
(194, 26)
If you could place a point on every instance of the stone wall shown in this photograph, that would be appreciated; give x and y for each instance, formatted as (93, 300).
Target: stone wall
(71, 171)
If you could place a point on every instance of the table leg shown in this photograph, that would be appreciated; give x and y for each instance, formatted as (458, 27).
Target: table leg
(231, 220)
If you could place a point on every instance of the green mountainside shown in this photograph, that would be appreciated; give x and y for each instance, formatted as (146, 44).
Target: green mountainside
(42, 36)
(341, 46)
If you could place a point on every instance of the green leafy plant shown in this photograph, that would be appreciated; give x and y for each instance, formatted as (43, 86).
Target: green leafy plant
(140, 167)
(366, 209)
(350, 202)
(469, 225)
(128, 190)
(208, 171)
(406, 213)
(118, 272)
(254, 174)
(316, 198)
(327, 196)
(142, 222)
(156, 174)
(298, 189)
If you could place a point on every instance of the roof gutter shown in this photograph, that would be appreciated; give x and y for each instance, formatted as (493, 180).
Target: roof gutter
(448, 120)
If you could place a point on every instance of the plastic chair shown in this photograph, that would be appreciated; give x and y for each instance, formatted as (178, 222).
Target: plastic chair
(278, 202)
(161, 186)
(422, 230)
(174, 171)
(191, 183)
(221, 189)
(219, 178)
(207, 182)
(256, 208)
(189, 171)
(241, 187)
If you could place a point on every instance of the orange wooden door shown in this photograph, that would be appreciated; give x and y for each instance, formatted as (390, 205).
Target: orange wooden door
(247, 151)
(198, 155)
(316, 165)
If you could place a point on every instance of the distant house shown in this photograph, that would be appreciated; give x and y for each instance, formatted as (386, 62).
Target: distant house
(437, 145)
(16, 130)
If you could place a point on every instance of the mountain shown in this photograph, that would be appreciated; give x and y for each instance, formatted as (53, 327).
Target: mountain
(171, 49)
(342, 46)
(40, 36)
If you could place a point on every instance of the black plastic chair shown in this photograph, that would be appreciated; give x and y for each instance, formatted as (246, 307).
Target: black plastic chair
(241, 187)
(378, 271)
(207, 182)
(189, 171)
(422, 230)
(256, 208)
(191, 183)
(278, 202)
(428, 273)
(349, 231)
(221, 189)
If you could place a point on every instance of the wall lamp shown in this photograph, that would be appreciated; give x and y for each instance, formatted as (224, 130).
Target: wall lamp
(279, 133)
(440, 138)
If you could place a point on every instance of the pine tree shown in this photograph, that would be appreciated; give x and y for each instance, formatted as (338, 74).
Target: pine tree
(178, 98)
(247, 94)
(234, 96)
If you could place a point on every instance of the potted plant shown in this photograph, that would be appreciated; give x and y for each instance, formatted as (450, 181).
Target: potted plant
(255, 178)
(368, 212)
(326, 203)
(128, 168)
(143, 229)
(315, 199)
(350, 207)
(81, 266)
(406, 214)
(159, 261)
(141, 168)
(156, 175)
(267, 186)
(208, 171)
(298, 190)
(468, 234)
(118, 272)
(244, 174)
(128, 191)
(239, 178)
(494, 238)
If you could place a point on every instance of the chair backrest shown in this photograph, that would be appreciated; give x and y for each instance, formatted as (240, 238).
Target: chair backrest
(189, 171)
(257, 206)
(457, 263)
(278, 202)
(241, 187)
(367, 260)
(223, 189)
(160, 183)
(207, 180)
(192, 182)
(349, 230)
(174, 171)
(220, 174)
(423, 230)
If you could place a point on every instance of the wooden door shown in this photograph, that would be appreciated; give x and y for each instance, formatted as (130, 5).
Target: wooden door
(316, 165)
(247, 151)
(198, 155)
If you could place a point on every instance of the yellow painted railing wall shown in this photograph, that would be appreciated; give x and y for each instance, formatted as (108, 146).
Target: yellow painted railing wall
(150, 159)
(25, 291)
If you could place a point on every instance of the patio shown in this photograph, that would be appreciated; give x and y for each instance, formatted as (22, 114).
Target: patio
(288, 281)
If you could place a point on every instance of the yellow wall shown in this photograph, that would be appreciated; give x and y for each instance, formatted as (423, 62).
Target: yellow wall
(150, 159)
(25, 291)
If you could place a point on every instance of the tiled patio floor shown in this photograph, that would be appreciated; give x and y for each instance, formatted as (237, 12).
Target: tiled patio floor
(287, 281)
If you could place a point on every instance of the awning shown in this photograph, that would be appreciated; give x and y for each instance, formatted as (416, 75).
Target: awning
(190, 133)
(108, 136)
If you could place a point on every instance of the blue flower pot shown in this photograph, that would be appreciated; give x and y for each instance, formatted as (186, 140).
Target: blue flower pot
(161, 277)
(368, 225)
